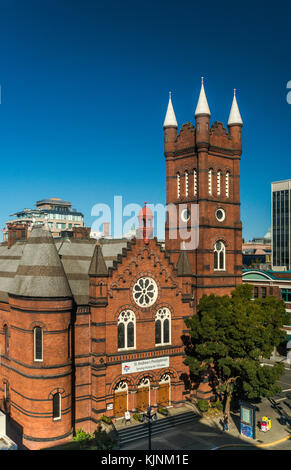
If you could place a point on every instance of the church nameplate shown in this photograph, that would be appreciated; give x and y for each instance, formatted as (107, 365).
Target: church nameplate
(144, 365)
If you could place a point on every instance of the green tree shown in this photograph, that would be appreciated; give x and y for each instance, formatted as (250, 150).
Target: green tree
(229, 335)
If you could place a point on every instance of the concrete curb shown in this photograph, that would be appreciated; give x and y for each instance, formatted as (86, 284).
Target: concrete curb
(268, 444)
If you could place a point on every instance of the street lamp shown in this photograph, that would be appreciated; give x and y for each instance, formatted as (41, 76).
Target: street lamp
(150, 418)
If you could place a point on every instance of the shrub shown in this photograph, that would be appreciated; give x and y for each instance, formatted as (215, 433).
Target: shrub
(82, 436)
(137, 416)
(203, 405)
(106, 419)
(102, 440)
(218, 405)
(163, 411)
(84, 439)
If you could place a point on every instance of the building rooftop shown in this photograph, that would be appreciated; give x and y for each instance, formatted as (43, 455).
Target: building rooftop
(53, 200)
(44, 266)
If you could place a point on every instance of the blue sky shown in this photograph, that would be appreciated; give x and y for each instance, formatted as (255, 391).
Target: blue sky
(84, 91)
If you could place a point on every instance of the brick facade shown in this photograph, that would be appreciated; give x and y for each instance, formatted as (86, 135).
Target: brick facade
(82, 359)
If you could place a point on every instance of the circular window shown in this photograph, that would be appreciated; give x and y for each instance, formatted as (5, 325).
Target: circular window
(145, 292)
(185, 215)
(220, 215)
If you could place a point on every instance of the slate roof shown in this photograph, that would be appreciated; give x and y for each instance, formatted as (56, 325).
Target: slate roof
(40, 272)
(44, 266)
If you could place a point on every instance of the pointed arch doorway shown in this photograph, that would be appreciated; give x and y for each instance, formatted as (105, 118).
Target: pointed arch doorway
(120, 399)
(143, 394)
(164, 391)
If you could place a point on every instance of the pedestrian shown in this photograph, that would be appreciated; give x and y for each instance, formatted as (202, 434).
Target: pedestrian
(225, 423)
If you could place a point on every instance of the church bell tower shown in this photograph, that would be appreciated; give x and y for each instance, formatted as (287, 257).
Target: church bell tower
(203, 196)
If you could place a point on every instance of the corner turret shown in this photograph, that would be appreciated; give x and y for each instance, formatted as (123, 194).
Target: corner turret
(202, 116)
(170, 127)
(235, 124)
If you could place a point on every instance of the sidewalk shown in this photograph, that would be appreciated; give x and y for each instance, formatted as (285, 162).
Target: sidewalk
(205, 433)
(278, 432)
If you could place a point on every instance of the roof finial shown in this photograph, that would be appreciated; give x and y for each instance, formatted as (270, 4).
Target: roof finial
(202, 105)
(234, 90)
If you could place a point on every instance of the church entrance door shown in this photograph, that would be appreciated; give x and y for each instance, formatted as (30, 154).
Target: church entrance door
(143, 395)
(120, 399)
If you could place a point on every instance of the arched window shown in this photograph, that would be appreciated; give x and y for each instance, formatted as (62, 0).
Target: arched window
(6, 340)
(219, 256)
(186, 183)
(126, 330)
(218, 176)
(57, 406)
(163, 327)
(227, 184)
(210, 181)
(195, 183)
(178, 185)
(38, 346)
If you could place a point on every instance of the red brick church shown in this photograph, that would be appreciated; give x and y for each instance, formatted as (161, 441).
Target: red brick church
(95, 328)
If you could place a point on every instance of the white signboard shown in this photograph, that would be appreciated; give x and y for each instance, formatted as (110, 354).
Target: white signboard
(144, 365)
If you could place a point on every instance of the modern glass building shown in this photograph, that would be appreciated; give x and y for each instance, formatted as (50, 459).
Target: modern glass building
(281, 224)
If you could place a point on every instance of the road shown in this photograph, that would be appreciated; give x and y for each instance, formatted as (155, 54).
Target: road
(199, 436)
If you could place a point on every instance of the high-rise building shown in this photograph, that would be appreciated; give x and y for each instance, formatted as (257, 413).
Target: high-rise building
(281, 224)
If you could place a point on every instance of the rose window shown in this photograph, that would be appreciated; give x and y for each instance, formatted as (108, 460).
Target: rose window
(145, 292)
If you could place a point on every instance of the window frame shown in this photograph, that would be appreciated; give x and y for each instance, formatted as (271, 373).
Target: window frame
(35, 358)
(168, 316)
(217, 256)
(59, 416)
(126, 324)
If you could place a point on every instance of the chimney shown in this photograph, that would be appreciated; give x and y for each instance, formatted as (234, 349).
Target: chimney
(81, 232)
(16, 231)
(106, 229)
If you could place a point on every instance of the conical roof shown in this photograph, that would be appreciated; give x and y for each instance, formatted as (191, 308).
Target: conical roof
(40, 271)
(98, 266)
(183, 265)
(234, 115)
(202, 105)
(170, 119)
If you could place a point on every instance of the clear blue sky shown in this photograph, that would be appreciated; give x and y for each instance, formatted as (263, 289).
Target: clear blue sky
(84, 91)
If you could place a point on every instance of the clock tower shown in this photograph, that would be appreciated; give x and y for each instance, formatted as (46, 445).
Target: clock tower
(203, 196)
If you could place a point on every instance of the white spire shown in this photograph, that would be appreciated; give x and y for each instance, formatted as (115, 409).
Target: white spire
(170, 119)
(234, 115)
(202, 105)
